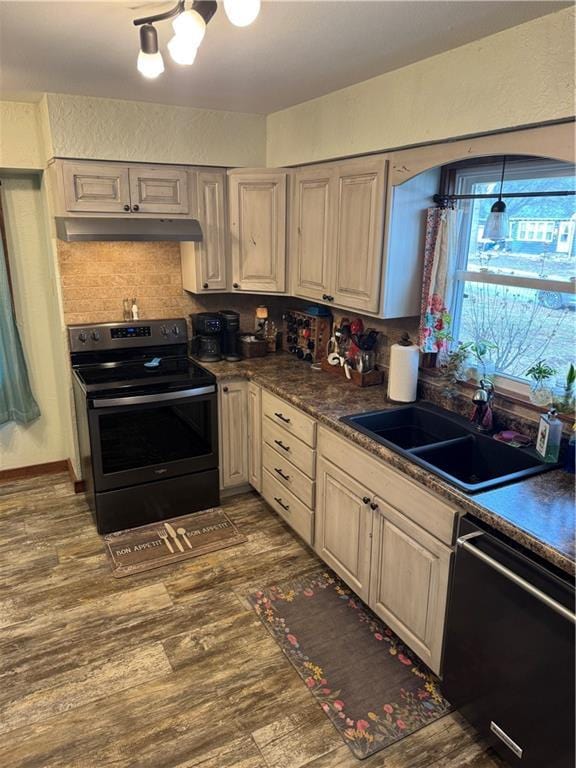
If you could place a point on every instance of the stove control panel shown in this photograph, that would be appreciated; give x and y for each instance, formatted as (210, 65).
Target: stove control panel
(107, 336)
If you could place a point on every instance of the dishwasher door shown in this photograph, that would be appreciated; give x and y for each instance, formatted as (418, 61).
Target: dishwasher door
(509, 653)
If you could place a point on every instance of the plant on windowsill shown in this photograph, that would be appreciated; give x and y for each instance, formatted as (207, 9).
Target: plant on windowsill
(451, 368)
(566, 403)
(477, 365)
(541, 391)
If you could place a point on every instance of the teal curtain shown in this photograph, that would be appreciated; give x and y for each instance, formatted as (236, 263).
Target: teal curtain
(16, 399)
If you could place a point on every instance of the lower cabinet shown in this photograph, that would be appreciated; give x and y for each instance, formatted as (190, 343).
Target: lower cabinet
(409, 581)
(255, 436)
(366, 532)
(233, 410)
(344, 526)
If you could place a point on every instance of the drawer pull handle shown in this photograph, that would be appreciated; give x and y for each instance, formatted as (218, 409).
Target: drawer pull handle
(282, 417)
(284, 506)
(282, 475)
(281, 444)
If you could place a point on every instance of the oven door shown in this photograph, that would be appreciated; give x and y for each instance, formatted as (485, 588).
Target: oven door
(139, 438)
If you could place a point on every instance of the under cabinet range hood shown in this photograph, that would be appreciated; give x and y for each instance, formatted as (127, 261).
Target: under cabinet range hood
(80, 228)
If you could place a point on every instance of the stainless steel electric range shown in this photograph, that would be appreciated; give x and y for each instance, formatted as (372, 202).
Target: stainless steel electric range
(147, 422)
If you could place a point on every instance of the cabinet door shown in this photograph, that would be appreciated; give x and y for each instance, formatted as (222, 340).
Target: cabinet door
(255, 436)
(233, 433)
(211, 254)
(96, 187)
(312, 230)
(409, 582)
(257, 211)
(360, 203)
(343, 526)
(159, 190)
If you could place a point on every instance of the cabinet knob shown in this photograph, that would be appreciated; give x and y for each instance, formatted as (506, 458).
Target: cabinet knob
(224, 389)
(330, 298)
(135, 207)
(366, 499)
(235, 285)
(204, 285)
(126, 207)
(325, 296)
(373, 505)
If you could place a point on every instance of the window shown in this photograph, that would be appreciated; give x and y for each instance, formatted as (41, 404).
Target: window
(517, 293)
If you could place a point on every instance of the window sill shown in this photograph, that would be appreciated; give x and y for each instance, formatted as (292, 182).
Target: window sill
(505, 398)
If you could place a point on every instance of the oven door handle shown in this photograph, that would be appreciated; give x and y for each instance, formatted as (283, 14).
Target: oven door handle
(464, 543)
(158, 398)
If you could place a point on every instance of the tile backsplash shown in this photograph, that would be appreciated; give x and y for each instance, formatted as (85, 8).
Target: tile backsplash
(97, 276)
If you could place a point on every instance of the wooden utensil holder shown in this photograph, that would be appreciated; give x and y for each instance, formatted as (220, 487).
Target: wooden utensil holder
(369, 379)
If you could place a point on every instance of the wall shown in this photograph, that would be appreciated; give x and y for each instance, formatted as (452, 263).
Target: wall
(519, 76)
(21, 144)
(96, 277)
(35, 288)
(111, 129)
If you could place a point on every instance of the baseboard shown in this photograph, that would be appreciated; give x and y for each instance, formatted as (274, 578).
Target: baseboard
(34, 470)
(79, 485)
(225, 493)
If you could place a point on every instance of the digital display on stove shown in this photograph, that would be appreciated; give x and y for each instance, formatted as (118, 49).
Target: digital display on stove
(133, 331)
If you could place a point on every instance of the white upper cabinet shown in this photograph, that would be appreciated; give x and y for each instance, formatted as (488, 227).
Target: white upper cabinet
(92, 188)
(205, 264)
(156, 189)
(312, 231)
(336, 233)
(257, 213)
(360, 206)
(95, 187)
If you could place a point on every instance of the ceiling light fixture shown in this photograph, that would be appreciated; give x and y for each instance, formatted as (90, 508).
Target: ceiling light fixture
(496, 227)
(242, 12)
(150, 62)
(189, 30)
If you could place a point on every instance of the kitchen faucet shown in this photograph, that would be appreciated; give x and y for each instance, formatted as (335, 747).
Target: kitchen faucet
(483, 416)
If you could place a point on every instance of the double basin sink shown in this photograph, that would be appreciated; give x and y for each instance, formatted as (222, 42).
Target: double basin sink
(448, 446)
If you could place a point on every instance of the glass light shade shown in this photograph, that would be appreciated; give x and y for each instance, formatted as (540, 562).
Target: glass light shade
(181, 51)
(242, 12)
(496, 227)
(190, 27)
(150, 64)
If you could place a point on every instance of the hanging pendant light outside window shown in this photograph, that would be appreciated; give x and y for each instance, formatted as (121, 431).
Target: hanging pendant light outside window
(496, 227)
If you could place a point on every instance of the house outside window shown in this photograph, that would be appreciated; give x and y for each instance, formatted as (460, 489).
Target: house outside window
(517, 293)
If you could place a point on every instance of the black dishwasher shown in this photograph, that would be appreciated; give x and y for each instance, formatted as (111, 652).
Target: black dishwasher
(509, 653)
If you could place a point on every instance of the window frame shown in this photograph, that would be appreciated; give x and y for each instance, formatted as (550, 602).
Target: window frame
(458, 179)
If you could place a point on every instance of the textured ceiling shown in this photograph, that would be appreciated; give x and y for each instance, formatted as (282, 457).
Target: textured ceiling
(294, 51)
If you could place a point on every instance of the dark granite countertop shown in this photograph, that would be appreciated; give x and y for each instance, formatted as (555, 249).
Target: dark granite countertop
(538, 513)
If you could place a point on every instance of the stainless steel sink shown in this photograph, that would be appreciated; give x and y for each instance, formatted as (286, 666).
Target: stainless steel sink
(449, 446)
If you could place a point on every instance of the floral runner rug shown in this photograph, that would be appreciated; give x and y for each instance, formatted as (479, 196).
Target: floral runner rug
(150, 546)
(371, 686)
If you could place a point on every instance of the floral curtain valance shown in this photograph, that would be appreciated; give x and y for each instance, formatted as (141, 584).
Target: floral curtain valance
(438, 279)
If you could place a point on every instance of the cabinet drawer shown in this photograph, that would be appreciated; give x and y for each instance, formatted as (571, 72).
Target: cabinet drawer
(291, 509)
(289, 476)
(298, 453)
(289, 417)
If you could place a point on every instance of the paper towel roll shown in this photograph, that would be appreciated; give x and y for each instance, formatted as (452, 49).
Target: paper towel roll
(403, 373)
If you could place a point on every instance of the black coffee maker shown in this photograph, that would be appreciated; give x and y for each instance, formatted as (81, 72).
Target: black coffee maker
(207, 327)
(230, 329)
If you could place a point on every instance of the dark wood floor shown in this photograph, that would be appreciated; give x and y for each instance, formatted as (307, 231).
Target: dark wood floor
(167, 669)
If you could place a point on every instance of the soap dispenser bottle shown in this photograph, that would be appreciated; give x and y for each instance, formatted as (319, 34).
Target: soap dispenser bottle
(549, 436)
